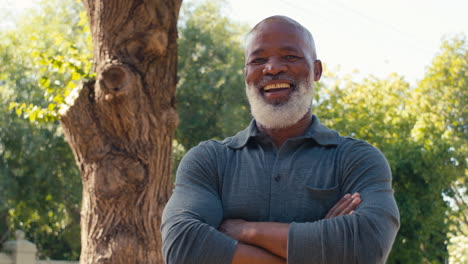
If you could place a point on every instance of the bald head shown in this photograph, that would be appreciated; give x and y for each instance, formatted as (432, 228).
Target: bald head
(284, 20)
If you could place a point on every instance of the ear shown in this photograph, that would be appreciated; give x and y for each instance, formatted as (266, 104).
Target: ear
(317, 70)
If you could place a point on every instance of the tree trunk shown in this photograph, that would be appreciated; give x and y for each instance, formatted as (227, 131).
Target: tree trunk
(120, 129)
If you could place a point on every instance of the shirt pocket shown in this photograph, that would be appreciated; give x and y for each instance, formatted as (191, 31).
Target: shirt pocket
(318, 201)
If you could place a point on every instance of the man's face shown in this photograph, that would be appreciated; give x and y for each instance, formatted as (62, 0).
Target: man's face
(279, 74)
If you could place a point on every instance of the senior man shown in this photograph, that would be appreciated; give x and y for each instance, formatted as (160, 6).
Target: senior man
(286, 189)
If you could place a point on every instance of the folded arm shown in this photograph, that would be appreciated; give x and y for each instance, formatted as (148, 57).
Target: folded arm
(364, 236)
(272, 236)
(192, 215)
(248, 254)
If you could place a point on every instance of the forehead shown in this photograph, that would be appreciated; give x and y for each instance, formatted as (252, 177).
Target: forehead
(278, 35)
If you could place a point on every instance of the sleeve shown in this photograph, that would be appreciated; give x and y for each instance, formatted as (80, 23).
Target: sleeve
(193, 213)
(363, 237)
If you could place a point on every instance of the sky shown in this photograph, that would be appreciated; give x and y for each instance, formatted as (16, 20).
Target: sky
(377, 37)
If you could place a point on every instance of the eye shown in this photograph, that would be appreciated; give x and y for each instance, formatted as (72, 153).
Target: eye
(291, 57)
(257, 61)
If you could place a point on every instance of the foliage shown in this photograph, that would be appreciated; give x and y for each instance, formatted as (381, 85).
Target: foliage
(57, 55)
(458, 247)
(422, 133)
(442, 97)
(43, 57)
(210, 93)
(40, 187)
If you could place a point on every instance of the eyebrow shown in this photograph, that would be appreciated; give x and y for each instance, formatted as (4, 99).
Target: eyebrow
(286, 48)
(256, 52)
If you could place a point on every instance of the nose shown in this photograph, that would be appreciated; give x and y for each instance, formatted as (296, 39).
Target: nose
(274, 66)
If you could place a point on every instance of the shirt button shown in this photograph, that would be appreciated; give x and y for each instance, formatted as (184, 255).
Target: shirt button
(277, 178)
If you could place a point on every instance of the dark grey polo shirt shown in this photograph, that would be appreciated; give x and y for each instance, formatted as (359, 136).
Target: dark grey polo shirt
(247, 177)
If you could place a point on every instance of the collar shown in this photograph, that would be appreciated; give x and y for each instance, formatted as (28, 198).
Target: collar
(316, 131)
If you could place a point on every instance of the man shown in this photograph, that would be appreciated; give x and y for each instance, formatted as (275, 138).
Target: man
(271, 193)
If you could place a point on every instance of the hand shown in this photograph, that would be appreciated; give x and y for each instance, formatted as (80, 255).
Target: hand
(270, 236)
(235, 228)
(345, 206)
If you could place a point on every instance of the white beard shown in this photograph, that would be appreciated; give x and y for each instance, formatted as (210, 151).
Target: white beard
(281, 115)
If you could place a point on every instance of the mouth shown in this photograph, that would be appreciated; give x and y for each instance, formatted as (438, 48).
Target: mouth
(277, 91)
(276, 87)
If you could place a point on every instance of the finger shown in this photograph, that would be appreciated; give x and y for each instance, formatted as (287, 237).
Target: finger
(352, 205)
(342, 202)
(332, 210)
(344, 206)
(354, 202)
(223, 227)
(339, 209)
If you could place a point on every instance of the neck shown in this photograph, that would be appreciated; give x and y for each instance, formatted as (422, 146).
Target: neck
(280, 135)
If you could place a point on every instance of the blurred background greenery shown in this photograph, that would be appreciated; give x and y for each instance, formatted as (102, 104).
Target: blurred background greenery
(421, 128)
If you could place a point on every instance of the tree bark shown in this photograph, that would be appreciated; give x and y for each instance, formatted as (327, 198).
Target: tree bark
(120, 128)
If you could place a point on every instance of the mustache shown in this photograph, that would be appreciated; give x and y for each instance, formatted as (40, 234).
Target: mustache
(265, 80)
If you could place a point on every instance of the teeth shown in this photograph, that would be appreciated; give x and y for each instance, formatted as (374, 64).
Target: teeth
(276, 86)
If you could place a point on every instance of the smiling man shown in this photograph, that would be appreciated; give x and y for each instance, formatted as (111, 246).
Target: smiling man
(286, 189)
